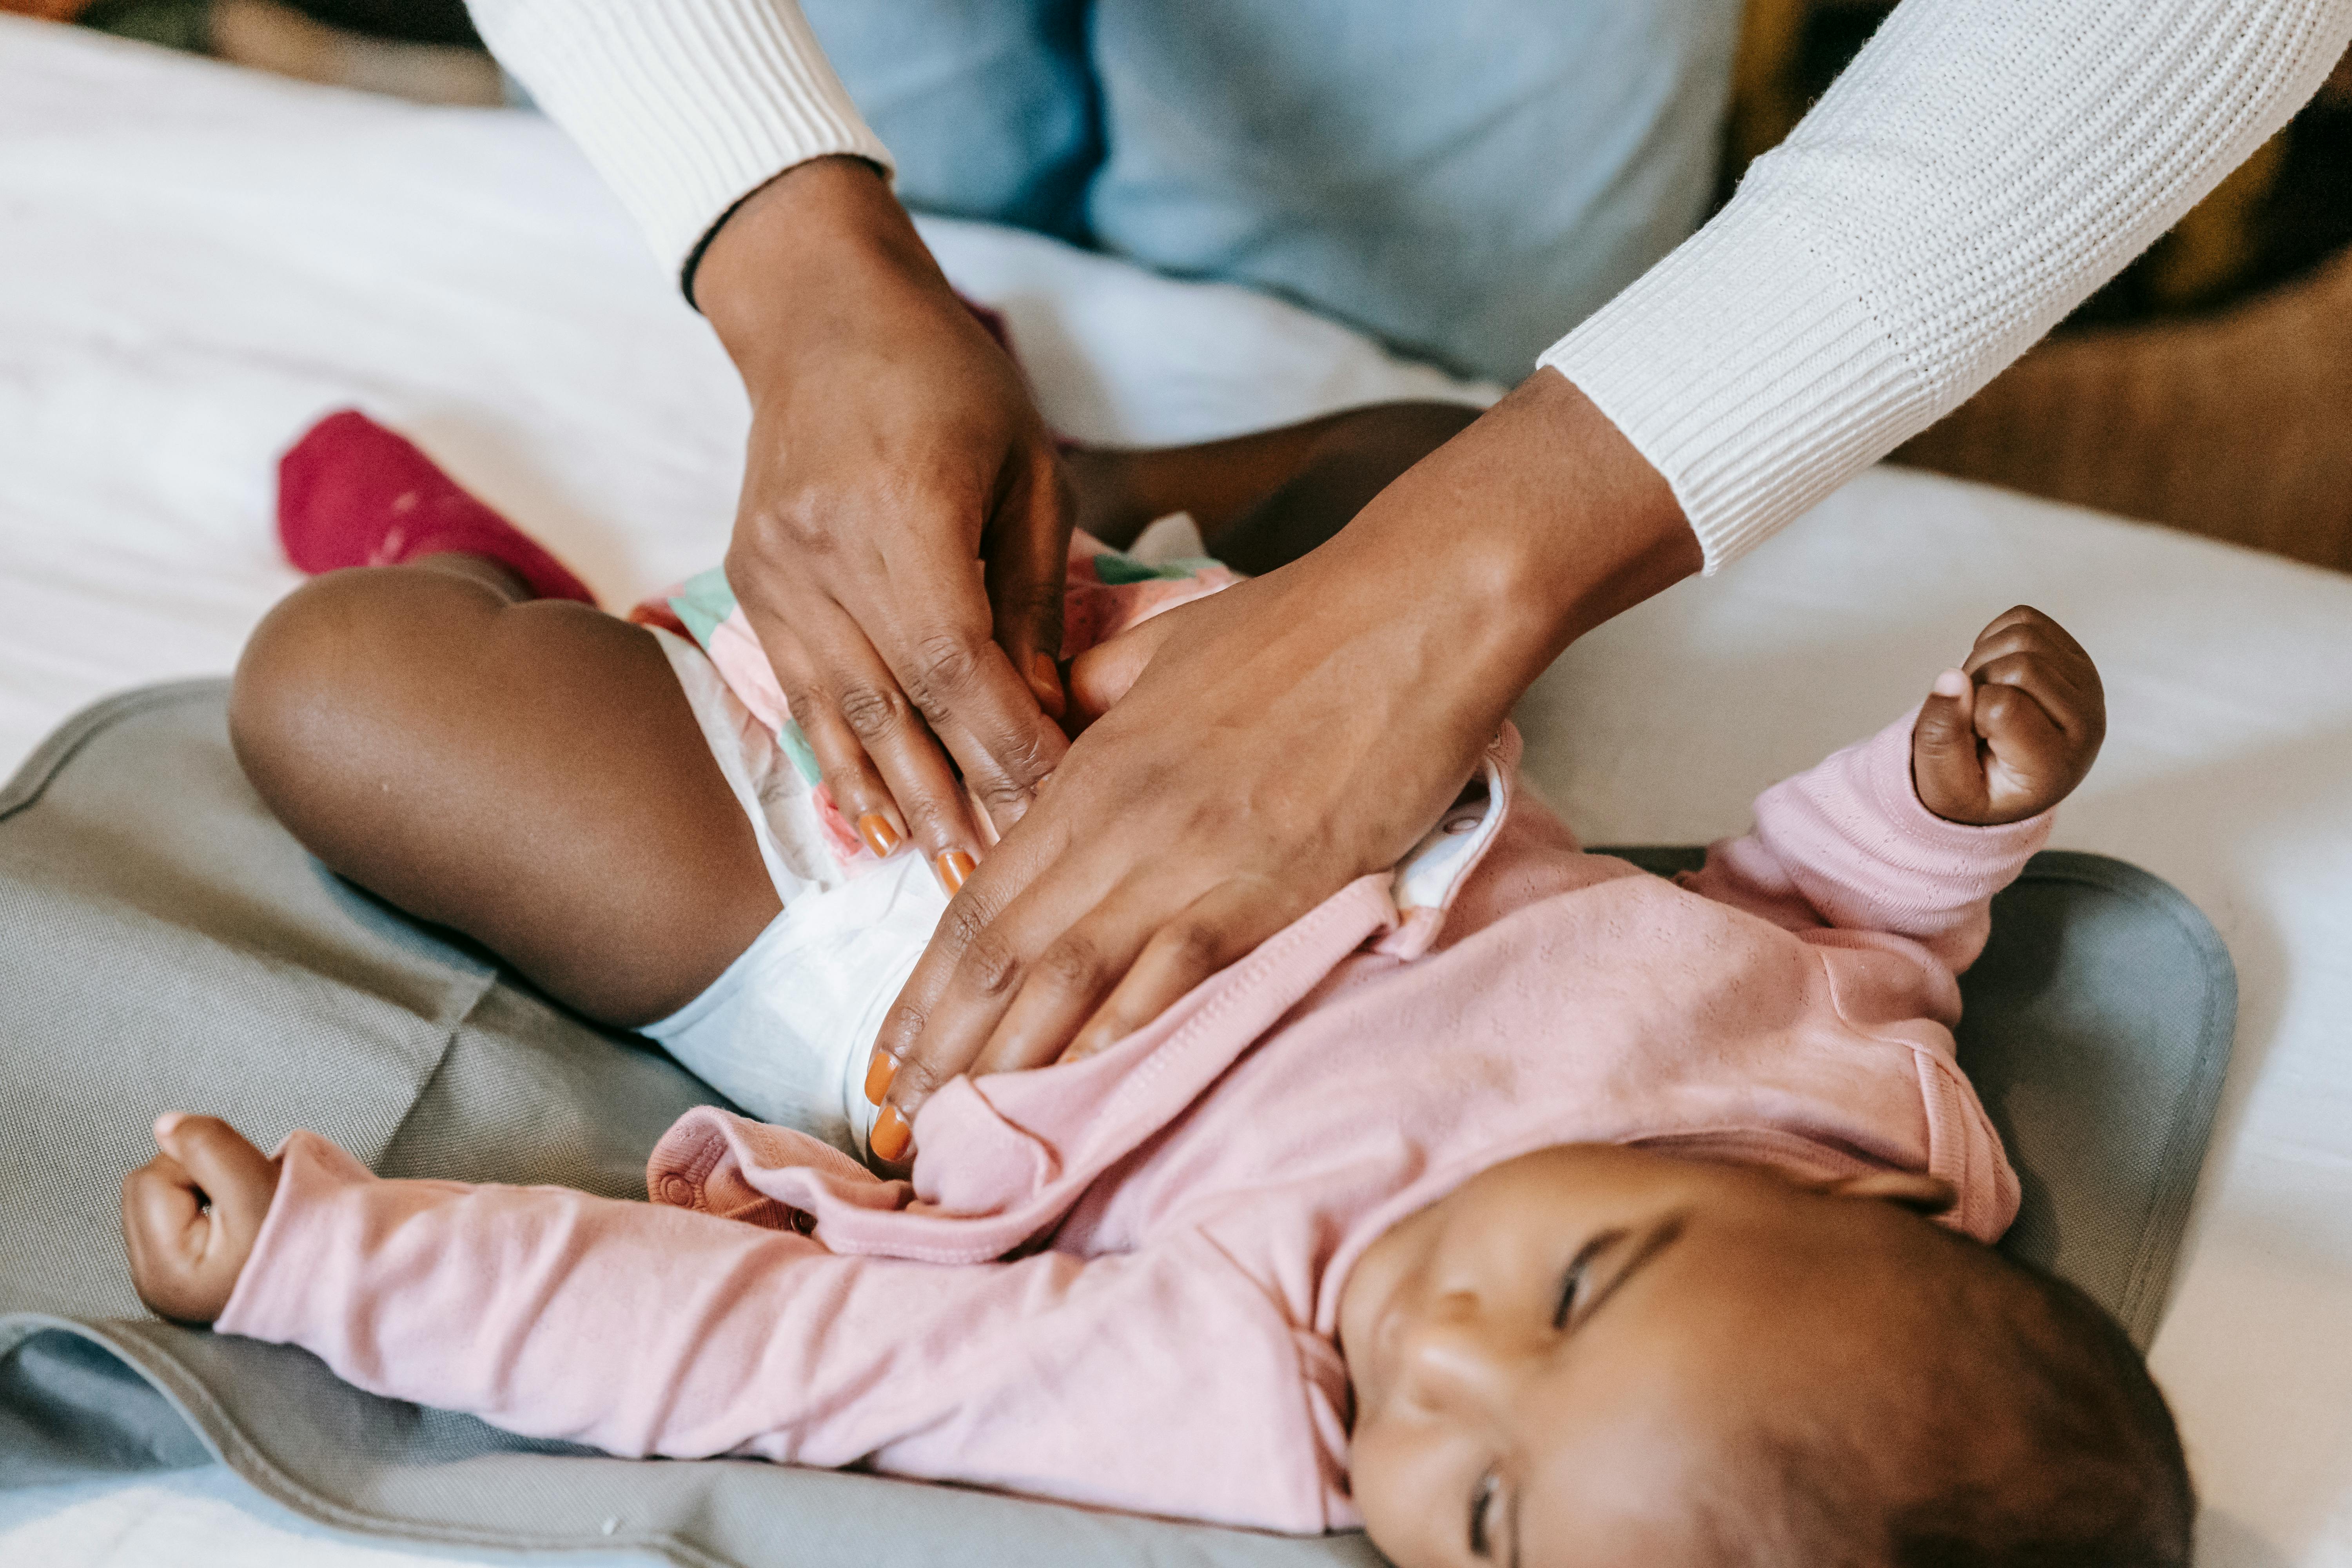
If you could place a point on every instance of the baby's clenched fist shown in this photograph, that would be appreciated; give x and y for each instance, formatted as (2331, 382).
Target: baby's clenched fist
(190, 1216)
(2010, 734)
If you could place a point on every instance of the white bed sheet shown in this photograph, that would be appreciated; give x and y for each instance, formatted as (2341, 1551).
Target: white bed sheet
(195, 261)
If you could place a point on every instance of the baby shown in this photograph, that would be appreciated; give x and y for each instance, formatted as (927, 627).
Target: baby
(1519, 1205)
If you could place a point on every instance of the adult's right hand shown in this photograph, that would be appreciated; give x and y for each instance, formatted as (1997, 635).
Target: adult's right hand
(1282, 738)
(900, 544)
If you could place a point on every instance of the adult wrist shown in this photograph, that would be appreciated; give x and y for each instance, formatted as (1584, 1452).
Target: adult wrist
(1533, 526)
(772, 267)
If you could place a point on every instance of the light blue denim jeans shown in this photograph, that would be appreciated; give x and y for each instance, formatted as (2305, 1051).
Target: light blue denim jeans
(1463, 179)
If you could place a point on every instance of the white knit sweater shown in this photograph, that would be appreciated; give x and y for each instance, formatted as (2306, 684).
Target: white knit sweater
(1979, 169)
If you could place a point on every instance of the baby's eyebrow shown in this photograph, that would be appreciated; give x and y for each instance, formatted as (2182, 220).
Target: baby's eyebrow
(1654, 1240)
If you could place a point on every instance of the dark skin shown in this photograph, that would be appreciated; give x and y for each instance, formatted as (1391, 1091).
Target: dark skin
(2004, 736)
(529, 774)
(394, 719)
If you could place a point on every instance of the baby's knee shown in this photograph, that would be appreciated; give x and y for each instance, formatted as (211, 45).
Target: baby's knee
(336, 658)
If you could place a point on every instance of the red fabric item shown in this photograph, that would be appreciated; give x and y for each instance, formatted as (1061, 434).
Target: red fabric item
(352, 493)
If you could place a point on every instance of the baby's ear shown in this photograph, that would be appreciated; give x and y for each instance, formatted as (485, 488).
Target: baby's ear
(1913, 1190)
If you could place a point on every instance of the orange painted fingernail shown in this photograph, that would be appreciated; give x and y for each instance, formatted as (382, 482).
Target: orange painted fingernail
(879, 1074)
(1045, 679)
(879, 835)
(891, 1135)
(953, 867)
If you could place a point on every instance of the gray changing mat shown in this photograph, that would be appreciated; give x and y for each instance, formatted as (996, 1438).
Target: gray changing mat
(163, 942)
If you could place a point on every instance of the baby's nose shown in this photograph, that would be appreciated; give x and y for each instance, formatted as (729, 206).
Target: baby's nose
(1453, 1361)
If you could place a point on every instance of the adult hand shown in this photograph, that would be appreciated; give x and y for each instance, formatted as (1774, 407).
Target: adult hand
(900, 544)
(1287, 736)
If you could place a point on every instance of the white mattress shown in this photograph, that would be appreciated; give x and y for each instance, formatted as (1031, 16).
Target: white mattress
(195, 262)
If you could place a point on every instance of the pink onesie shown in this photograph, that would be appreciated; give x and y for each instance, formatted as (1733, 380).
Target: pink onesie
(1118, 1281)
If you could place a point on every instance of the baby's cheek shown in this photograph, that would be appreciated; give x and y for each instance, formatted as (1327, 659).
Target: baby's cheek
(1381, 1470)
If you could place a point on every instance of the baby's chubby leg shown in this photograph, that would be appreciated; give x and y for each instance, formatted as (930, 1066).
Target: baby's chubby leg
(528, 771)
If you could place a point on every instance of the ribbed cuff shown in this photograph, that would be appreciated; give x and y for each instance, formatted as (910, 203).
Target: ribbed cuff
(685, 107)
(1747, 370)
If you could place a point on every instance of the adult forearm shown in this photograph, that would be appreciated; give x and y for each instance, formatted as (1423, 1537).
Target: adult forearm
(1980, 168)
(684, 106)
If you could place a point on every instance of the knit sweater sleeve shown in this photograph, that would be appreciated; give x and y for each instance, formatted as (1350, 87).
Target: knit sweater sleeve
(685, 107)
(1979, 170)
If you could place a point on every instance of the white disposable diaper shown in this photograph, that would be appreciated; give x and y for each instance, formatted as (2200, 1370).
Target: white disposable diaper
(787, 1032)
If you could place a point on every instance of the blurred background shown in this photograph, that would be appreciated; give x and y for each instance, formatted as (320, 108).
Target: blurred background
(2209, 387)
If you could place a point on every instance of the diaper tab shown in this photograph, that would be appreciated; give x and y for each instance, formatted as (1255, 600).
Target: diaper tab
(1427, 880)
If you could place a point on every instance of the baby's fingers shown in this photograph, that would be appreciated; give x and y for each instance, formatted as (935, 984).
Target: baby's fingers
(2057, 690)
(1945, 770)
(237, 1179)
(163, 1227)
(2030, 765)
(190, 1216)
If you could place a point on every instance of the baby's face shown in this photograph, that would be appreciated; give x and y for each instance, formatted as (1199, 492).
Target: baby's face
(1553, 1362)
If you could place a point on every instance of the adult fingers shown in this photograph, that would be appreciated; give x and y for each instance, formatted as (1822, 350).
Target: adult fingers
(1027, 561)
(972, 954)
(1944, 768)
(987, 713)
(881, 764)
(850, 777)
(1218, 929)
(1074, 975)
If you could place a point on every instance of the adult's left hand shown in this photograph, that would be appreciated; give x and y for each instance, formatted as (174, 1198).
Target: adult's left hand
(1288, 736)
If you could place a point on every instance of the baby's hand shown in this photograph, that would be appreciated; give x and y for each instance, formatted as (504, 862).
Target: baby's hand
(2012, 732)
(191, 1214)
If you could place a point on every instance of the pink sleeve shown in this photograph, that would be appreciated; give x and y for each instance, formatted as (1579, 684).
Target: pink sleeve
(642, 1329)
(1847, 844)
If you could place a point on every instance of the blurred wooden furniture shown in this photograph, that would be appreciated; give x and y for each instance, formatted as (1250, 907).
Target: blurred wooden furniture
(2209, 388)
(2237, 424)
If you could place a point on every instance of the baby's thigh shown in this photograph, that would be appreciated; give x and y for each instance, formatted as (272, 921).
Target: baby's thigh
(530, 774)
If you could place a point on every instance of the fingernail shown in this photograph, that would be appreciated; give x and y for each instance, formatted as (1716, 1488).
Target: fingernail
(879, 1074)
(1952, 683)
(167, 1122)
(1045, 679)
(879, 835)
(953, 868)
(891, 1135)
